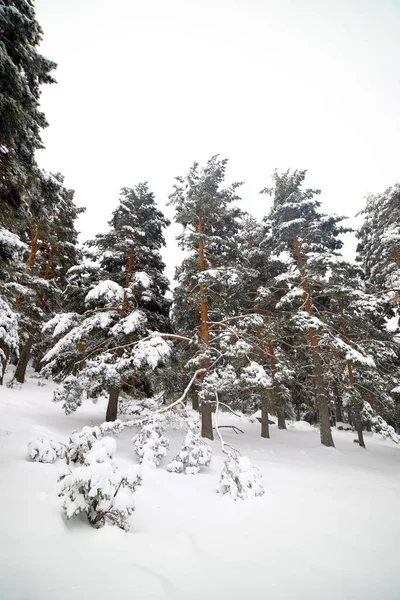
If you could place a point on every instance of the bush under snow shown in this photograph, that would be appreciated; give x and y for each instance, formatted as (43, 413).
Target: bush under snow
(193, 455)
(378, 424)
(81, 442)
(239, 479)
(46, 451)
(150, 445)
(98, 489)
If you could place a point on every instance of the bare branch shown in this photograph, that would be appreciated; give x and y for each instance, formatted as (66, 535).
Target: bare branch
(224, 445)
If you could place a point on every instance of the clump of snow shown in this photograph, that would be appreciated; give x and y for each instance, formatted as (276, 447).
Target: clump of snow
(255, 375)
(141, 278)
(135, 321)
(107, 292)
(46, 451)
(81, 442)
(193, 455)
(101, 451)
(151, 353)
(60, 324)
(240, 479)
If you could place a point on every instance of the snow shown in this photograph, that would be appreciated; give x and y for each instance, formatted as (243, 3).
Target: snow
(151, 352)
(106, 291)
(11, 241)
(326, 528)
(135, 321)
(61, 323)
(141, 278)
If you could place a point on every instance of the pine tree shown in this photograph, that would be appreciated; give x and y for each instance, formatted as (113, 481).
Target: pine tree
(210, 224)
(23, 71)
(99, 349)
(37, 284)
(304, 239)
(378, 249)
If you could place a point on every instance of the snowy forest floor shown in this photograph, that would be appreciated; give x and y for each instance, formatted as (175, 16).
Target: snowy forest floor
(327, 527)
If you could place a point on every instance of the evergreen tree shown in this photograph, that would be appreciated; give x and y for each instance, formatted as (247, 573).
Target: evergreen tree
(378, 248)
(37, 283)
(99, 349)
(304, 240)
(207, 299)
(23, 70)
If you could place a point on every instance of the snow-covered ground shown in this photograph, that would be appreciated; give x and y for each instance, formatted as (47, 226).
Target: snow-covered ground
(327, 528)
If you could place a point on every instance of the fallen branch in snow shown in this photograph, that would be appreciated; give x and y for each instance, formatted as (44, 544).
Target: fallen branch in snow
(118, 425)
(235, 429)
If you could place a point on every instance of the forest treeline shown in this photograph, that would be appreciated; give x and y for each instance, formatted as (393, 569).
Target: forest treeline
(265, 314)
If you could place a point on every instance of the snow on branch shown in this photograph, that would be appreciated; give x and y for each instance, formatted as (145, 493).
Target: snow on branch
(239, 478)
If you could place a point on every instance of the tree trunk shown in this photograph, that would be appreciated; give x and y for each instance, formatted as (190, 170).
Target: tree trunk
(130, 262)
(338, 403)
(321, 400)
(276, 400)
(206, 414)
(24, 357)
(264, 415)
(356, 405)
(112, 408)
(358, 422)
(206, 420)
(280, 409)
(195, 401)
(322, 405)
(4, 361)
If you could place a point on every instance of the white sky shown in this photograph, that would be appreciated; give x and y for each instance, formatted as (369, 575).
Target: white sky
(147, 87)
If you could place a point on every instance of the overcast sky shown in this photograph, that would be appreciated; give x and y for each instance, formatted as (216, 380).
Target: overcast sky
(146, 87)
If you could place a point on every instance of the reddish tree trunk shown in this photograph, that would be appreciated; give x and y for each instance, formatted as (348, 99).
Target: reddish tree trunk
(356, 406)
(322, 405)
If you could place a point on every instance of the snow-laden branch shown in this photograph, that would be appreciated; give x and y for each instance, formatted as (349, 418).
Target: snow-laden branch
(120, 425)
(224, 444)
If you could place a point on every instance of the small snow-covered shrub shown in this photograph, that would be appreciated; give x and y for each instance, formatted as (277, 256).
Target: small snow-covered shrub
(378, 424)
(69, 392)
(46, 451)
(344, 426)
(240, 479)
(81, 442)
(150, 445)
(98, 489)
(193, 455)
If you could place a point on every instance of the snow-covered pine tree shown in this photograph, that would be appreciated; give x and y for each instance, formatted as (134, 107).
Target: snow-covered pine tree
(378, 248)
(303, 239)
(210, 223)
(99, 349)
(36, 284)
(23, 72)
(378, 253)
(261, 294)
